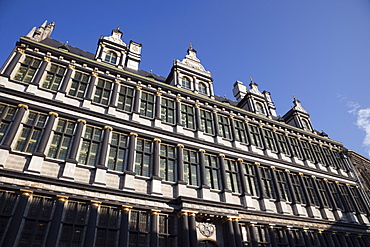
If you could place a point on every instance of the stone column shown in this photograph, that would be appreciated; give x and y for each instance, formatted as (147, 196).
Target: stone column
(193, 229)
(272, 235)
(136, 108)
(198, 121)
(202, 168)
(91, 225)
(184, 236)
(40, 71)
(232, 126)
(10, 67)
(123, 234)
(113, 98)
(230, 232)
(155, 178)
(237, 233)
(179, 125)
(91, 85)
(252, 231)
(306, 238)
(247, 132)
(66, 79)
(289, 235)
(52, 237)
(157, 109)
(100, 167)
(15, 223)
(129, 174)
(215, 121)
(154, 227)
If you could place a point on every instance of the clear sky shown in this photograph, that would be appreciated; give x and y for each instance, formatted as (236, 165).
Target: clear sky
(318, 50)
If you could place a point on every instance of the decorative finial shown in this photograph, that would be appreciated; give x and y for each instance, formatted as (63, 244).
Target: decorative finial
(191, 45)
(250, 78)
(293, 96)
(151, 71)
(118, 27)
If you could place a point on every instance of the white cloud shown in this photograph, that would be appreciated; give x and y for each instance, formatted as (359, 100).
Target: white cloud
(363, 122)
(353, 107)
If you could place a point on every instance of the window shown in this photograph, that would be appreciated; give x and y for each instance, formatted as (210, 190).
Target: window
(267, 183)
(7, 114)
(185, 82)
(212, 171)
(73, 224)
(232, 180)
(167, 231)
(281, 138)
(240, 132)
(143, 157)
(333, 190)
(206, 120)
(312, 197)
(90, 146)
(168, 110)
(284, 190)
(7, 206)
(139, 229)
(117, 151)
(111, 57)
(328, 157)
(147, 105)
(307, 150)
(107, 227)
(167, 162)
(36, 222)
(54, 77)
(187, 116)
(245, 234)
(297, 189)
(305, 124)
(62, 139)
(202, 88)
(357, 199)
(269, 140)
(339, 161)
(224, 126)
(102, 92)
(260, 108)
(250, 179)
(280, 236)
(125, 98)
(27, 69)
(79, 85)
(295, 147)
(297, 237)
(190, 158)
(31, 132)
(255, 135)
(262, 235)
(323, 193)
(317, 151)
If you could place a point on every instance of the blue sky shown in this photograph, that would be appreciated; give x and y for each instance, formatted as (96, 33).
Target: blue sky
(318, 50)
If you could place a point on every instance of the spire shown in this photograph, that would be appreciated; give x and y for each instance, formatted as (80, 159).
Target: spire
(44, 31)
(297, 105)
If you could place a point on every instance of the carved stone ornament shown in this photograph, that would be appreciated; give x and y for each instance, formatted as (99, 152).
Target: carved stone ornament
(206, 229)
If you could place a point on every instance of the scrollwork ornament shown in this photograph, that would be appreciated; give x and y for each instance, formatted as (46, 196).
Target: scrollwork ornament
(206, 229)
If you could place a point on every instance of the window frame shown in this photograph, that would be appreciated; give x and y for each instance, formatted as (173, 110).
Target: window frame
(118, 146)
(143, 165)
(53, 79)
(103, 91)
(92, 143)
(27, 69)
(60, 135)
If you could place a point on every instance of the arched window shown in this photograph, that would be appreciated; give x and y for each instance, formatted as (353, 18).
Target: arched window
(202, 88)
(305, 124)
(111, 57)
(185, 82)
(259, 108)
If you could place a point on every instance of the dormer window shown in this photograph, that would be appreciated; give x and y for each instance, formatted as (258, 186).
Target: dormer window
(111, 57)
(259, 108)
(305, 124)
(202, 88)
(185, 82)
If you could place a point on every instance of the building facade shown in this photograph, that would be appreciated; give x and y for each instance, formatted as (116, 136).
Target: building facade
(96, 152)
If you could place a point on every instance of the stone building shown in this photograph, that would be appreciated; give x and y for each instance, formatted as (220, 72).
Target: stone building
(96, 152)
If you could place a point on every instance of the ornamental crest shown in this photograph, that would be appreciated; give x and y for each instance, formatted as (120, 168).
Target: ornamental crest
(206, 229)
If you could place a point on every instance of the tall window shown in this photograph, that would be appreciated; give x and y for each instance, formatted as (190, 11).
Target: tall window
(117, 151)
(297, 189)
(185, 82)
(269, 140)
(168, 110)
(73, 224)
(31, 132)
(307, 150)
(125, 98)
(328, 157)
(255, 135)
(202, 88)
(333, 190)
(357, 199)
(240, 131)
(143, 157)
(187, 116)
(90, 146)
(339, 161)
(262, 236)
(212, 171)
(107, 227)
(312, 197)
(54, 77)
(102, 91)
(147, 104)
(7, 206)
(190, 158)
(284, 191)
(62, 139)
(267, 183)
(167, 162)
(323, 193)
(260, 109)
(206, 119)
(295, 147)
(139, 229)
(36, 222)
(111, 57)
(167, 231)
(231, 170)
(250, 179)
(224, 126)
(7, 114)
(318, 153)
(27, 69)
(79, 85)
(282, 143)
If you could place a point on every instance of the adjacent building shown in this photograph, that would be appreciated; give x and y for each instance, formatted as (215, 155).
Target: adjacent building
(97, 152)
